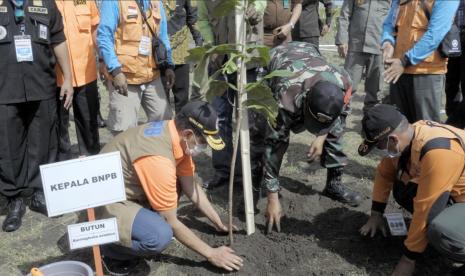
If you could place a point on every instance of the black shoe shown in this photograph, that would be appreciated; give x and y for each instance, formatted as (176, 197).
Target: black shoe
(336, 190)
(16, 211)
(100, 121)
(459, 271)
(119, 268)
(37, 203)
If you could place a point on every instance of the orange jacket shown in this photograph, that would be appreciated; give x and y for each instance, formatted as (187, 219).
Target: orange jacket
(79, 20)
(411, 24)
(439, 170)
(137, 68)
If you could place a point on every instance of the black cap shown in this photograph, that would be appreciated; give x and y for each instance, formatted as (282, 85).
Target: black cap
(203, 119)
(378, 122)
(323, 104)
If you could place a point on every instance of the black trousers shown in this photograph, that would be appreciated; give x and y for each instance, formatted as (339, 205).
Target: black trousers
(181, 86)
(85, 110)
(455, 81)
(28, 138)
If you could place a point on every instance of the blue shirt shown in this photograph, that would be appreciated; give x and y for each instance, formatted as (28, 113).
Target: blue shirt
(109, 21)
(439, 25)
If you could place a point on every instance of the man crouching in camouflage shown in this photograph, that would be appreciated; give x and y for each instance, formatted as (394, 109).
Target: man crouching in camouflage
(315, 98)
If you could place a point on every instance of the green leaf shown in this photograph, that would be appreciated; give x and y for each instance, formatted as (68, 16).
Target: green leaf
(216, 88)
(225, 7)
(230, 66)
(223, 49)
(279, 73)
(259, 53)
(200, 78)
(260, 98)
(197, 54)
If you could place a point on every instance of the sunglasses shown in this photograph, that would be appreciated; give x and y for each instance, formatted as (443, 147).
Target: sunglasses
(19, 11)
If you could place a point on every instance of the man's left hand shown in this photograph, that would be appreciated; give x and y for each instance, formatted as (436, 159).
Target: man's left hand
(316, 148)
(170, 78)
(405, 267)
(325, 29)
(395, 70)
(66, 93)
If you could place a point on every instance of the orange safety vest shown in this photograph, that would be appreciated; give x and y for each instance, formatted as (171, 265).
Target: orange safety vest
(411, 24)
(137, 68)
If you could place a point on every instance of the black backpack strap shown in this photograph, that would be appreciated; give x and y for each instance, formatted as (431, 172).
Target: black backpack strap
(436, 143)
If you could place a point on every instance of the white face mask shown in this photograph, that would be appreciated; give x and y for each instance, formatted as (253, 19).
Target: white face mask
(392, 154)
(198, 149)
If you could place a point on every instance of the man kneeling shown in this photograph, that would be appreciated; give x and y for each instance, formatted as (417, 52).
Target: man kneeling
(424, 169)
(157, 167)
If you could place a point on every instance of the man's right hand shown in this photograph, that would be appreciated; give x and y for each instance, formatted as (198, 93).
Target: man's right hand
(274, 212)
(388, 51)
(374, 223)
(342, 50)
(225, 257)
(120, 84)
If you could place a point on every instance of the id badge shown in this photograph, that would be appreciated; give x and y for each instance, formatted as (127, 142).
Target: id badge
(396, 224)
(145, 46)
(23, 48)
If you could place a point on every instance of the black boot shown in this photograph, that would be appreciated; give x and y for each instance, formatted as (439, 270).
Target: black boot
(37, 203)
(336, 190)
(16, 210)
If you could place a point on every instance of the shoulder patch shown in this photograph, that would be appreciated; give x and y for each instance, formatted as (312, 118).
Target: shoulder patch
(154, 129)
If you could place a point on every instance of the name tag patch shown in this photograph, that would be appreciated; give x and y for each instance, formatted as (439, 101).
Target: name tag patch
(154, 129)
(23, 48)
(132, 12)
(145, 45)
(38, 10)
(3, 9)
(37, 3)
(43, 31)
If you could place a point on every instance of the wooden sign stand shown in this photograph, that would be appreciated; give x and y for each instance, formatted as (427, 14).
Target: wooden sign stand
(95, 248)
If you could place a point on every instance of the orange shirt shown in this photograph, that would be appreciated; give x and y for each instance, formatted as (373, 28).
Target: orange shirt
(79, 20)
(439, 171)
(158, 175)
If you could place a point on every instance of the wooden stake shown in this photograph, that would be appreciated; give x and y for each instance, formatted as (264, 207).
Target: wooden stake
(241, 32)
(95, 248)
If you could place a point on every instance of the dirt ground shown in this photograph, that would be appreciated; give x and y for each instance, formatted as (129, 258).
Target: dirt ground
(319, 236)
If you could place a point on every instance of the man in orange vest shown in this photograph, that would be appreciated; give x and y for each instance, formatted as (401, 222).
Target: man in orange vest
(80, 20)
(125, 42)
(416, 68)
(424, 169)
(158, 167)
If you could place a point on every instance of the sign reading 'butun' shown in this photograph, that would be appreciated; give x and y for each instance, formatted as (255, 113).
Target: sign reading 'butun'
(83, 183)
(93, 233)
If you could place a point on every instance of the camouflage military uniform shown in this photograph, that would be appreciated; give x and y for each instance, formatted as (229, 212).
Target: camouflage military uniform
(310, 67)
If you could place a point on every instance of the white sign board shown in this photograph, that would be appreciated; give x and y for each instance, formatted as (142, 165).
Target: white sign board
(396, 224)
(92, 233)
(83, 183)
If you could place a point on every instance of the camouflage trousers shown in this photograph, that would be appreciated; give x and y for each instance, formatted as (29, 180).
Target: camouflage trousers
(269, 144)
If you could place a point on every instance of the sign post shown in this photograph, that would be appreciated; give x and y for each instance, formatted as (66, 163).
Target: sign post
(81, 184)
(95, 248)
